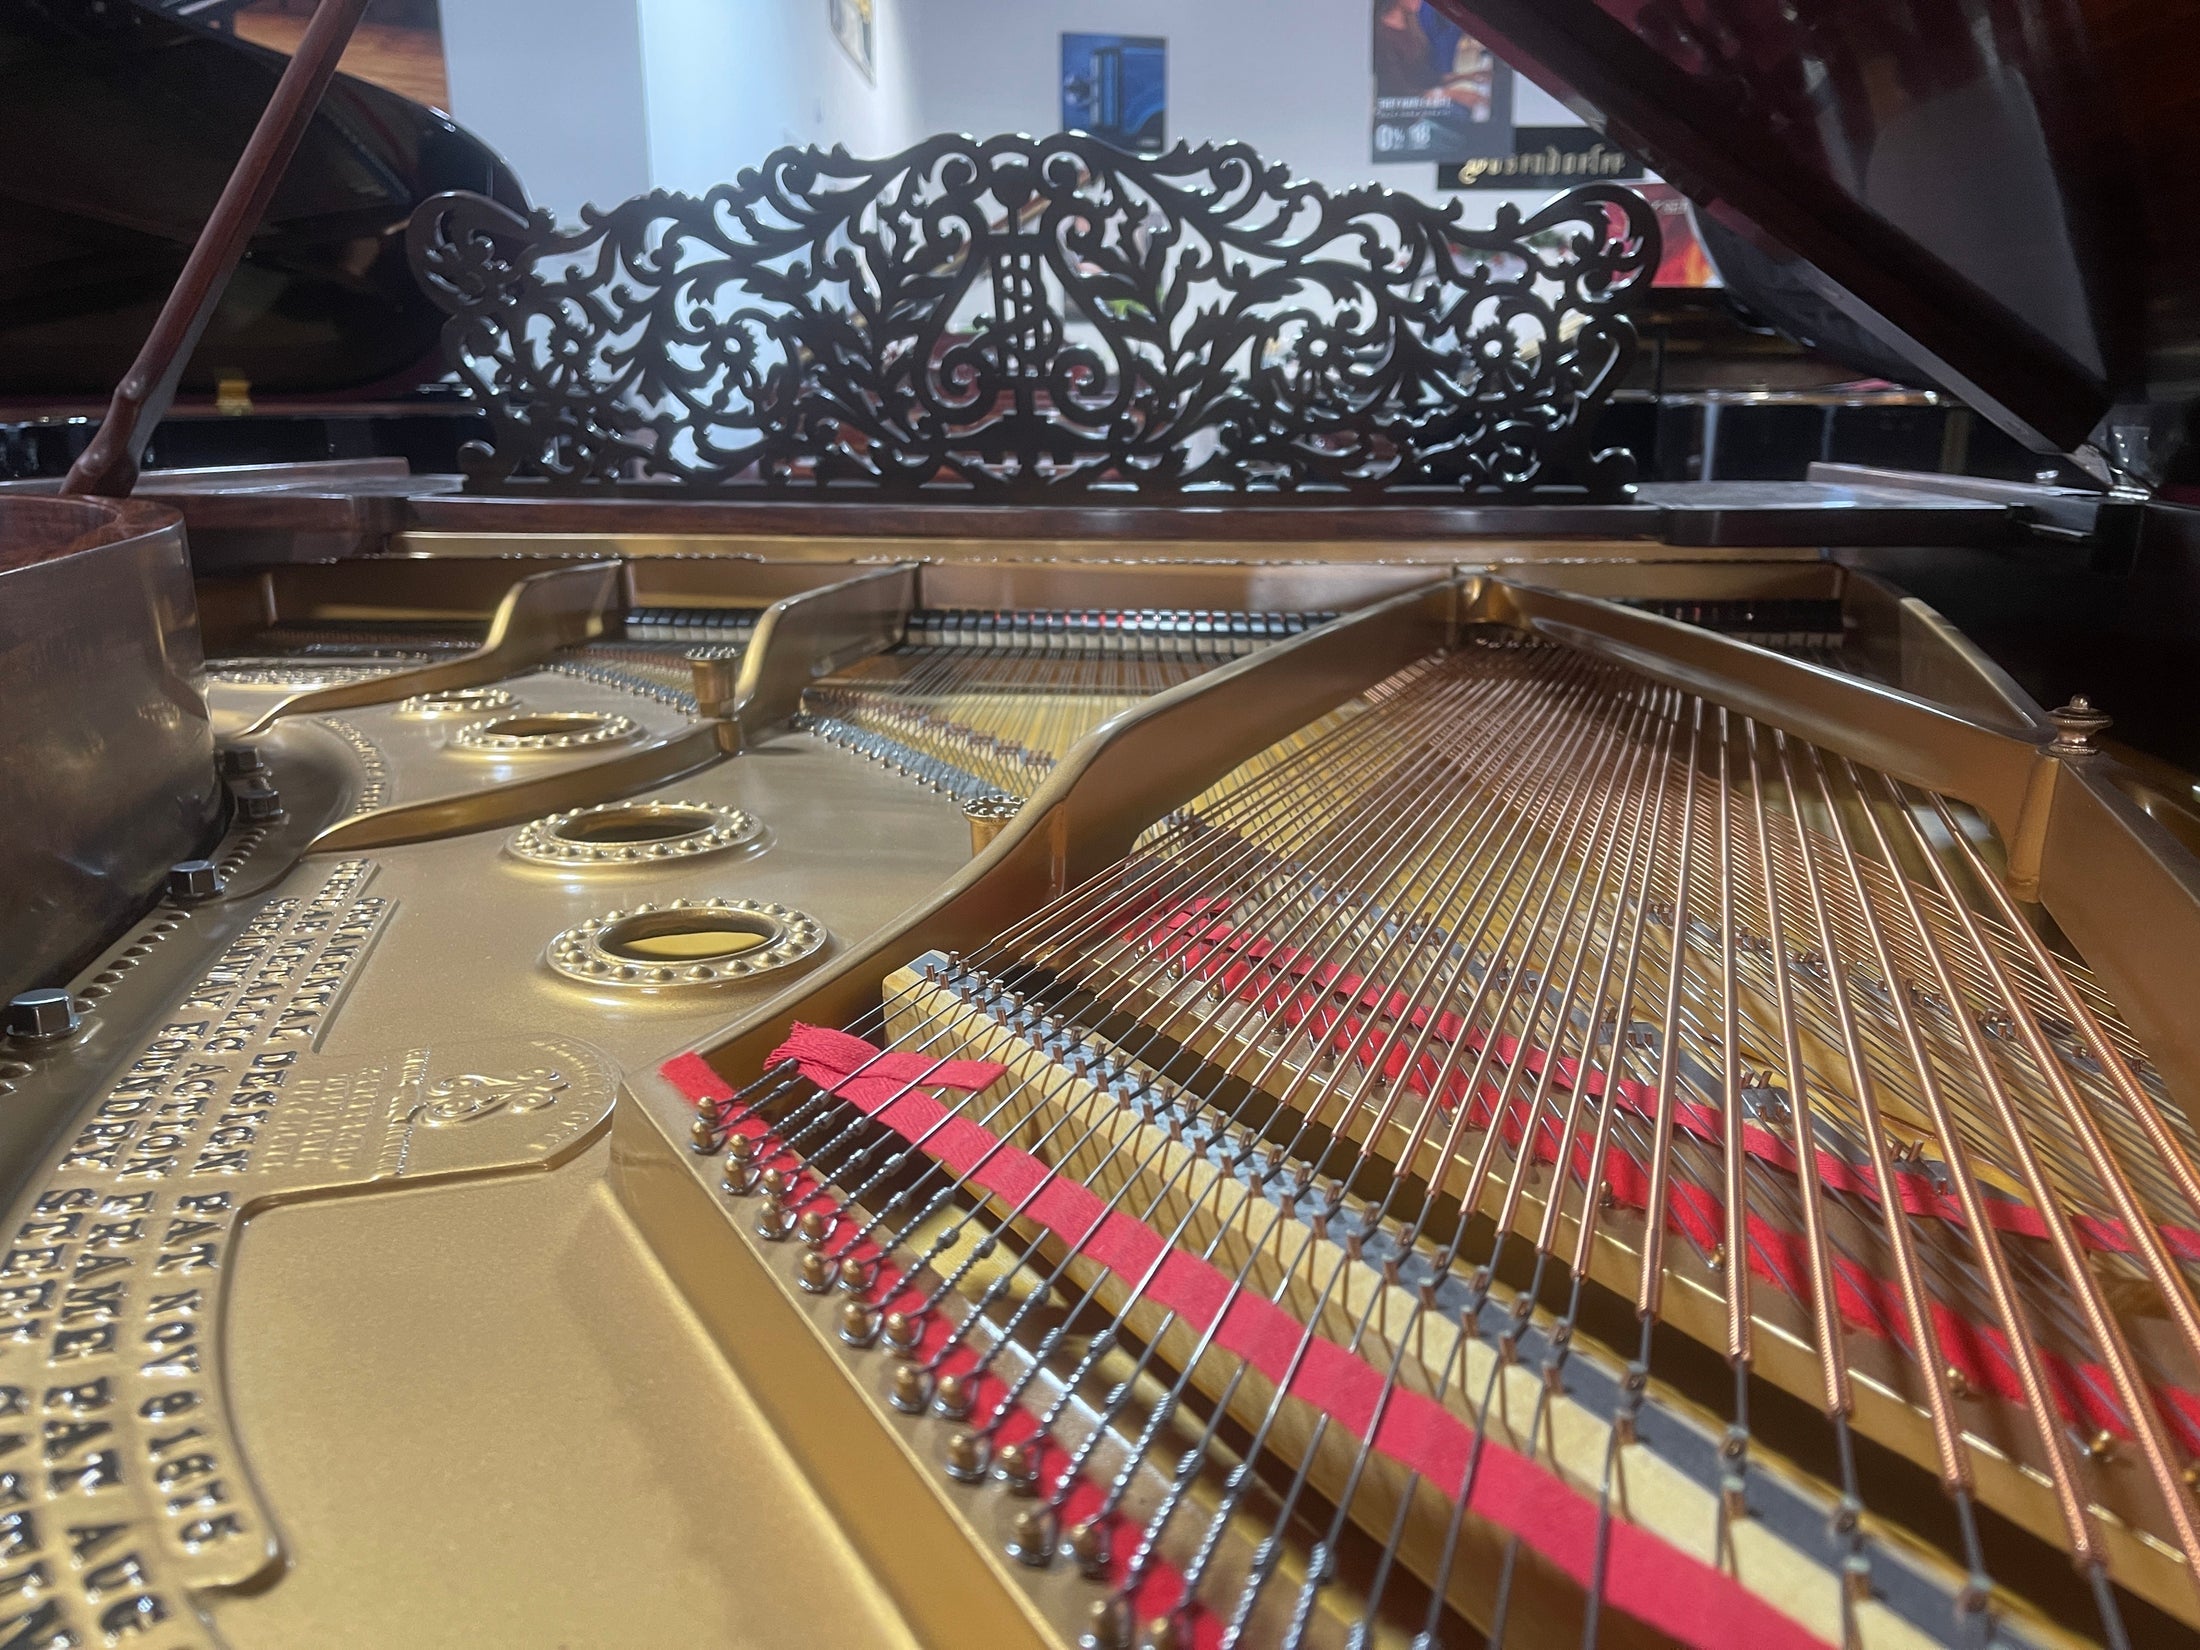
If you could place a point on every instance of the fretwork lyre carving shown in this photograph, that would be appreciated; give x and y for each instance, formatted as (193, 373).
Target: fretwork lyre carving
(1035, 319)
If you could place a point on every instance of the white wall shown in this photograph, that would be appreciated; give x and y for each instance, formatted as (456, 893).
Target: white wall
(555, 87)
(596, 100)
(731, 80)
(1293, 78)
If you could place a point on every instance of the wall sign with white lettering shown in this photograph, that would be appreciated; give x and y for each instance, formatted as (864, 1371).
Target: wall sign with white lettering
(1544, 157)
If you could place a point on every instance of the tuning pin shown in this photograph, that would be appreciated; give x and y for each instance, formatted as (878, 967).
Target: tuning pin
(814, 1227)
(904, 1332)
(966, 1457)
(952, 1396)
(1032, 1536)
(1087, 1546)
(740, 1148)
(771, 1220)
(911, 1389)
(855, 1275)
(1017, 1466)
(1110, 1627)
(859, 1323)
(704, 1136)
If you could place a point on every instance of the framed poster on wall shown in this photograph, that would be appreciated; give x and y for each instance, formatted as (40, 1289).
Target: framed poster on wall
(1116, 86)
(1440, 94)
(855, 26)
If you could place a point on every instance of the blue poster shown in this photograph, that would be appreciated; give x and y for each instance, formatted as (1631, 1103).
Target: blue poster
(1116, 86)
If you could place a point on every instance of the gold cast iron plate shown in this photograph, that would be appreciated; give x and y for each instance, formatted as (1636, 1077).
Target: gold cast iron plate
(506, 1431)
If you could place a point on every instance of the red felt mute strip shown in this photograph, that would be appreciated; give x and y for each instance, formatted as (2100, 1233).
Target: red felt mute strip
(1160, 1585)
(1980, 1352)
(1309, 994)
(1643, 1575)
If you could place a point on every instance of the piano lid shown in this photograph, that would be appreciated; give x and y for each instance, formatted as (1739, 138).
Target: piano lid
(2001, 190)
(120, 127)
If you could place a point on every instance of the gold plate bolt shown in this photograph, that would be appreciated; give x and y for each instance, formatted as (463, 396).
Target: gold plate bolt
(712, 677)
(2078, 727)
(989, 816)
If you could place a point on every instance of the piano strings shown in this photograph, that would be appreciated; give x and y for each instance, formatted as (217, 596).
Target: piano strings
(1518, 911)
(1002, 696)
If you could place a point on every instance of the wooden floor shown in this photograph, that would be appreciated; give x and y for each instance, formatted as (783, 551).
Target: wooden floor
(407, 61)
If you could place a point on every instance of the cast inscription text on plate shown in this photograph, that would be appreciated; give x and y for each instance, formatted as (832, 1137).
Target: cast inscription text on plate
(122, 1490)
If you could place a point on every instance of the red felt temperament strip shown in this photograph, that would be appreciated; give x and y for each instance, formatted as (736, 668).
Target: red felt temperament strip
(1642, 1574)
(1321, 998)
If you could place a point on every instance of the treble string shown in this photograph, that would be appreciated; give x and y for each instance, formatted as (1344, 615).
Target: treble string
(1292, 855)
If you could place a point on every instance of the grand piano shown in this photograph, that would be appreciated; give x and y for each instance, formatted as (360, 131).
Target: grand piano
(1045, 912)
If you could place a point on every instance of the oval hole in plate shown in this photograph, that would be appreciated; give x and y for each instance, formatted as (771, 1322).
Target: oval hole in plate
(640, 824)
(547, 726)
(700, 935)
